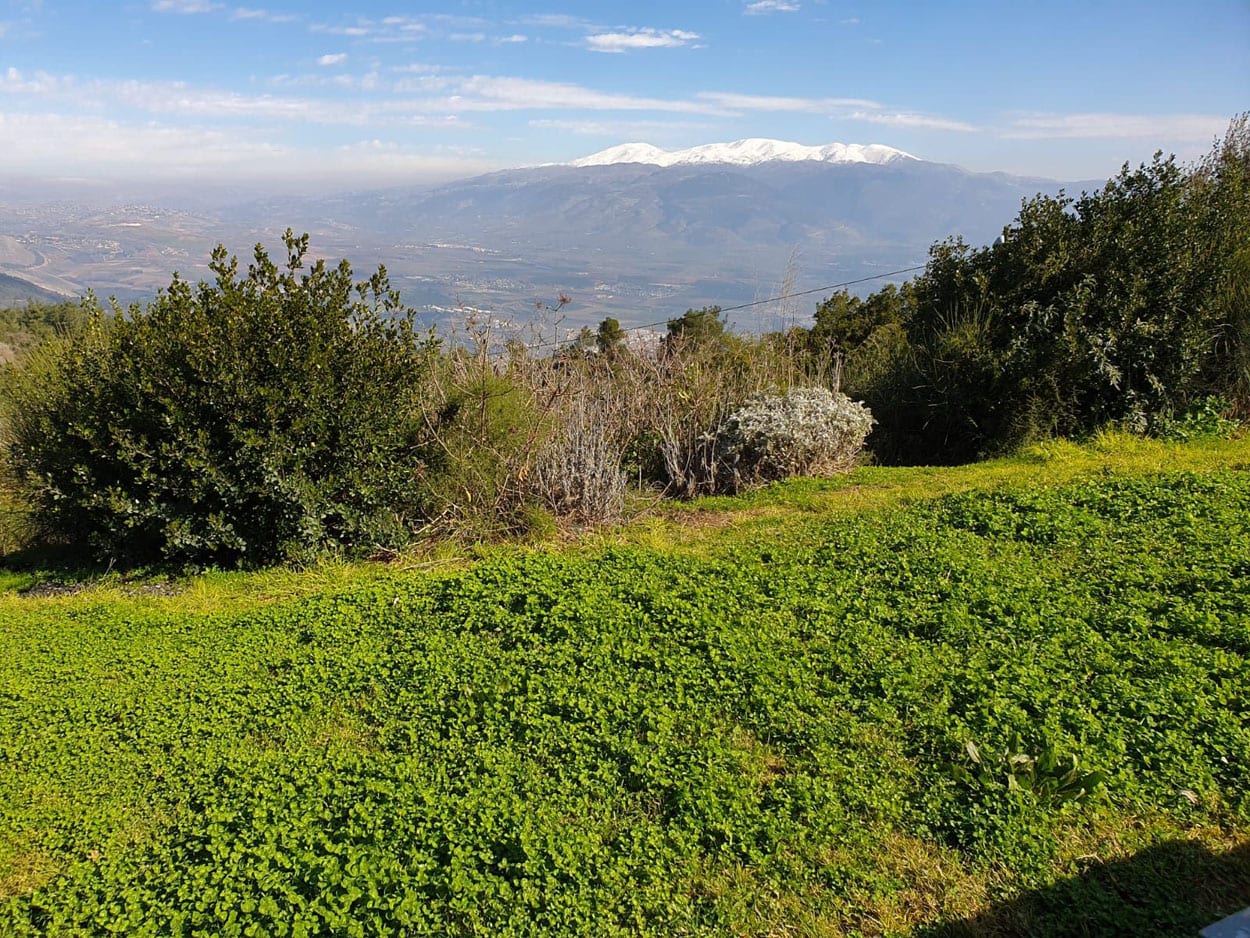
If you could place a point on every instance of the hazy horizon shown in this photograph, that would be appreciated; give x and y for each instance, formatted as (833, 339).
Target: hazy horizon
(369, 94)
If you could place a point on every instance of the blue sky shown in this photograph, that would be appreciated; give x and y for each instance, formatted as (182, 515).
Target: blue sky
(360, 93)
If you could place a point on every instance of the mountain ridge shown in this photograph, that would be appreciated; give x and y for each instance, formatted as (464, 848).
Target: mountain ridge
(751, 151)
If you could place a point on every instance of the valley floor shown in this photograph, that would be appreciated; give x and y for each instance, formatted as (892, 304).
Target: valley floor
(1011, 698)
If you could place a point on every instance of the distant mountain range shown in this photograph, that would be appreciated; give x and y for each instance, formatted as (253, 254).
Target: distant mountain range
(750, 152)
(635, 232)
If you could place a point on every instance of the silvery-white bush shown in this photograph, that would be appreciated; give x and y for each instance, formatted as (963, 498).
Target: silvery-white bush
(805, 431)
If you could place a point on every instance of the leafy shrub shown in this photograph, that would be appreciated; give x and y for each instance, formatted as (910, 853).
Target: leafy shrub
(805, 431)
(1205, 418)
(24, 327)
(1123, 306)
(486, 428)
(251, 419)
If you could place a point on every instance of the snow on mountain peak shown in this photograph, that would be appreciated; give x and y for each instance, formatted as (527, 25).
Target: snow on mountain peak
(744, 153)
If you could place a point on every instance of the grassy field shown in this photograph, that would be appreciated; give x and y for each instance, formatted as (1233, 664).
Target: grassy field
(1003, 699)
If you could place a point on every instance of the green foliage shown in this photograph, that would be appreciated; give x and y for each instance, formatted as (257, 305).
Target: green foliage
(610, 336)
(1048, 776)
(1123, 306)
(26, 326)
(696, 327)
(251, 419)
(1206, 417)
(488, 431)
(638, 742)
(846, 322)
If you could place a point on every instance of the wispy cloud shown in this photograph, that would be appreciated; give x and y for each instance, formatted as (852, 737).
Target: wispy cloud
(644, 38)
(431, 92)
(622, 130)
(438, 94)
(556, 21)
(127, 151)
(387, 29)
(483, 92)
(910, 120)
(852, 109)
(184, 6)
(1192, 128)
(755, 102)
(266, 16)
(761, 7)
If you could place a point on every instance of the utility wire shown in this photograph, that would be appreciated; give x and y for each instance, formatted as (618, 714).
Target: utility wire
(771, 299)
(834, 286)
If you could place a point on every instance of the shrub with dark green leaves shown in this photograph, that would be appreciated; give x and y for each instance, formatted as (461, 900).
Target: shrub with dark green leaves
(1124, 306)
(255, 418)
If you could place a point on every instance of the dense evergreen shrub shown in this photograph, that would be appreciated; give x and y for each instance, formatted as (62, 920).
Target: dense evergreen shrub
(1124, 306)
(250, 419)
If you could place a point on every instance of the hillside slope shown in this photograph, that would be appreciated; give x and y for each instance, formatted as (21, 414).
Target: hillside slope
(14, 291)
(832, 709)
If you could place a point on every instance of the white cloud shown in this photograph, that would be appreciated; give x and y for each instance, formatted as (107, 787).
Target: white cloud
(418, 68)
(417, 93)
(96, 147)
(483, 92)
(389, 29)
(1191, 128)
(332, 58)
(41, 84)
(760, 7)
(910, 120)
(640, 39)
(755, 102)
(556, 21)
(266, 16)
(514, 38)
(855, 109)
(621, 130)
(184, 6)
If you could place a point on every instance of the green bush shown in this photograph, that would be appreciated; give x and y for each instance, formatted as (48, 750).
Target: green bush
(1124, 306)
(488, 428)
(255, 418)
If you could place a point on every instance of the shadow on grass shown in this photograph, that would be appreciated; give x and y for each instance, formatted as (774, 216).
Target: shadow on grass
(56, 570)
(1173, 890)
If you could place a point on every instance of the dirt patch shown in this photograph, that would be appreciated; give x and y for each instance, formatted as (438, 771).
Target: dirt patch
(716, 520)
(55, 588)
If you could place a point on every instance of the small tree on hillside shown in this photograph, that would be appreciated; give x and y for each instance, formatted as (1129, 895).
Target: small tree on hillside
(696, 327)
(610, 337)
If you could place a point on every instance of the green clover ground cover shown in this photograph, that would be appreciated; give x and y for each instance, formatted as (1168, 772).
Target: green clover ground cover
(627, 741)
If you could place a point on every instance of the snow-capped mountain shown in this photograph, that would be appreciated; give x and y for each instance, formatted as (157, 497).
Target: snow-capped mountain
(750, 152)
(641, 234)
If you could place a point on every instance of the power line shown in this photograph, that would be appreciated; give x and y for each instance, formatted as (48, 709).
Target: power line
(771, 299)
(833, 286)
